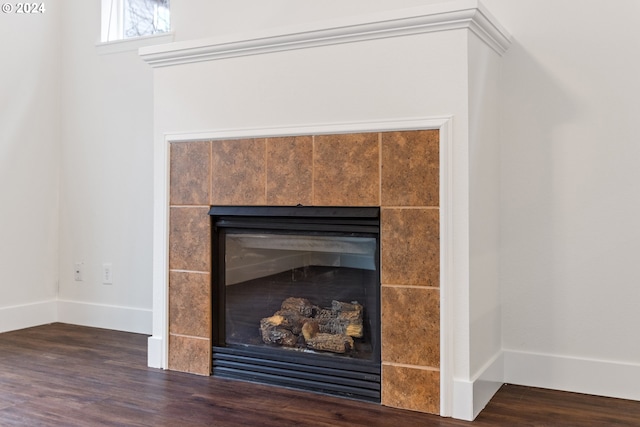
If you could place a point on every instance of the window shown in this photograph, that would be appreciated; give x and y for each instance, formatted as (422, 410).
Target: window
(125, 19)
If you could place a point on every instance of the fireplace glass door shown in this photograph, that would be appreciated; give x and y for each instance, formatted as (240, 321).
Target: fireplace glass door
(297, 298)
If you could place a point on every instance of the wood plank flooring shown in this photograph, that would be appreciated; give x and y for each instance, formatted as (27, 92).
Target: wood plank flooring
(64, 375)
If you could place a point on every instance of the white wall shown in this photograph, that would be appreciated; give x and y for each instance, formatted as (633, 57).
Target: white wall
(106, 178)
(193, 19)
(570, 239)
(29, 162)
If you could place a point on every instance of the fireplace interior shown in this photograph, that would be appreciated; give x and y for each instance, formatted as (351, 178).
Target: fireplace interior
(297, 297)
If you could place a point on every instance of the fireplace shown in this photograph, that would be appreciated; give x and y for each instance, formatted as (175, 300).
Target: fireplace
(297, 297)
(396, 110)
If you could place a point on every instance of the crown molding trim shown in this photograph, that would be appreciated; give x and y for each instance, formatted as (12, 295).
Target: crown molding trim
(455, 15)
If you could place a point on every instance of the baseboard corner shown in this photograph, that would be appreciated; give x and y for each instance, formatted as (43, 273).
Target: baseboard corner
(23, 316)
(471, 396)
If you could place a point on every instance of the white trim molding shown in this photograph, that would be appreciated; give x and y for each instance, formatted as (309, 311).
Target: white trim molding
(472, 396)
(462, 14)
(128, 319)
(574, 374)
(155, 352)
(446, 267)
(158, 343)
(28, 315)
(411, 123)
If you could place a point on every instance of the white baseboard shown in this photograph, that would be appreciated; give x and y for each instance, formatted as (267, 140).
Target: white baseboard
(126, 319)
(596, 377)
(155, 352)
(470, 397)
(579, 375)
(28, 315)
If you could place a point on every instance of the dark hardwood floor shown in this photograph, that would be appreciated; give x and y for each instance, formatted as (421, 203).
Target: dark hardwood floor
(64, 375)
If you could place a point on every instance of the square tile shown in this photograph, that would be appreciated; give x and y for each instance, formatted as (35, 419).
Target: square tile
(410, 168)
(190, 239)
(190, 304)
(410, 241)
(189, 173)
(410, 325)
(188, 354)
(289, 171)
(238, 172)
(346, 170)
(410, 388)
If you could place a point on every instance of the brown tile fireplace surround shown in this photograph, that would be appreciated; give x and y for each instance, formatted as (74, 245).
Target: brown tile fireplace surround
(397, 171)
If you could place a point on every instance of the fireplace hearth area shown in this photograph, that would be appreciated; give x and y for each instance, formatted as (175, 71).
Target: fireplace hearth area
(390, 252)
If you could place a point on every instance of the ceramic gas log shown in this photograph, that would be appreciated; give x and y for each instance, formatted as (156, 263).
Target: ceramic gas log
(301, 324)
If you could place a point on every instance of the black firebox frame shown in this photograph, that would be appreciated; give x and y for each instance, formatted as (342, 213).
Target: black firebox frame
(343, 376)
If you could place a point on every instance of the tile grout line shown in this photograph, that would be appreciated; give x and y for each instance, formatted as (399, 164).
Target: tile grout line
(189, 336)
(380, 168)
(313, 170)
(210, 173)
(266, 171)
(178, 270)
(431, 208)
(391, 285)
(404, 365)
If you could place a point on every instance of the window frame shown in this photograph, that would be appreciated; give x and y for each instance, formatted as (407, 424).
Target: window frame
(112, 38)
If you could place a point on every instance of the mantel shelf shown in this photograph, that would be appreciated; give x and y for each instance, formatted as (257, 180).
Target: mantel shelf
(463, 14)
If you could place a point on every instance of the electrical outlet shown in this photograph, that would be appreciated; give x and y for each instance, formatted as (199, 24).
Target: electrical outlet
(107, 274)
(78, 271)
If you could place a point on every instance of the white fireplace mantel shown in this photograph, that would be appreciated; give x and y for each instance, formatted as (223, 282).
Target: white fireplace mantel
(431, 67)
(462, 14)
